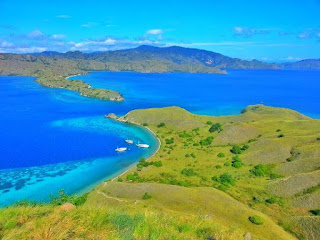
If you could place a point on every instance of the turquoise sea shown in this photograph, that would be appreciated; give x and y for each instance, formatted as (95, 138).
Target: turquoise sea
(54, 139)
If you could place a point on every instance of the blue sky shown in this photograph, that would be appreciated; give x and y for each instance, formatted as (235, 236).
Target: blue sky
(274, 30)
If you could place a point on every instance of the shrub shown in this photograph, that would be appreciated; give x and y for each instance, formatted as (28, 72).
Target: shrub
(236, 162)
(209, 123)
(133, 176)
(243, 111)
(169, 141)
(261, 170)
(145, 124)
(215, 127)
(256, 220)
(195, 144)
(161, 125)
(290, 159)
(221, 155)
(245, 147)
(63, 198)
(157, 164)
(187, 155)
(188, 172)
(236, 150)
(281, 135)
(252, 140)
(120, 179)
(315, 212)
(146, 196)
(318, 139)
(218, 167)
(226, 179)
(278, 130)
(193, 155)
(206, 141)
(227, 164)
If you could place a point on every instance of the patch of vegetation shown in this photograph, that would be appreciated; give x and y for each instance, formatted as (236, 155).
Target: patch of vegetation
(169, 141)
(236, 162)
(209, 123)
(236, 149)
(218, 166)
(227, 164)
(315, 212)
(189, 172)
(162, 124)
(207, 141)
(281, 135)
(145, 124)
(257, 220)
(261, 170)
(221, 155)
(217, 127)
(146, 196)
(62, 198)
(225, 179)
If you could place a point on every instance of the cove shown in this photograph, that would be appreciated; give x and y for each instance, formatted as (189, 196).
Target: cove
(54, 139)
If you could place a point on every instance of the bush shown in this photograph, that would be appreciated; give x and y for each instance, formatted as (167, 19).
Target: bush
(206, 141)
(236, 162)
(256, 220)
(315, 212)
(236, 150)
(187, 155)
(120, 179)
(64, 198)
(157, 164)
(290, 159)
(261, 170)
(221, 155)
(188, 172)
(226, 179)
(133, 176)
(209, 123)
(161, 125)
(227, 164)
(218, 167)
(193, 155)
(169, 141)
(215, 127)
(244, 147)
(278, 130)
(318, 139)
(281, 135)
(146, 196)
(145, 124)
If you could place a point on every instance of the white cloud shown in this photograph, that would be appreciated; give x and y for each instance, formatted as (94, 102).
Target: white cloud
(58, 36)
(30, 49)
(63, 16)
(35, 34)
(248, 32)
(155, 31)
(6, 44)
(89, 24)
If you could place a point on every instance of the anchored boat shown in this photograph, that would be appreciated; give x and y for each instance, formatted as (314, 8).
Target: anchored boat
(142, 145)
(123, 149)
(129, 141)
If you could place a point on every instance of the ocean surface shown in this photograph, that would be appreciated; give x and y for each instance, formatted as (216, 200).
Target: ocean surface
(54, 139)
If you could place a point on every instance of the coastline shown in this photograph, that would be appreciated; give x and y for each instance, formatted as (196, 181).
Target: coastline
(134, 164)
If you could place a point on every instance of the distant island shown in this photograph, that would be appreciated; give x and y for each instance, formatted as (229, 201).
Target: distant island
(52, 68)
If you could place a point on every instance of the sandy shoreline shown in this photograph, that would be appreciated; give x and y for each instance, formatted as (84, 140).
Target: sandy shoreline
(133, 165)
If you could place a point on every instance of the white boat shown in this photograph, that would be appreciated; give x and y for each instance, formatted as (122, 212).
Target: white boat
(123, 149)
(142, 145)
(129, 141)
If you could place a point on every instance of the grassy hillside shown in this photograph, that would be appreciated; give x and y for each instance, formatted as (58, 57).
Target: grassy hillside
(226, 177)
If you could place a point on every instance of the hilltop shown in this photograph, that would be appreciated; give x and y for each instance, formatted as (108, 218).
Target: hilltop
(248, 176)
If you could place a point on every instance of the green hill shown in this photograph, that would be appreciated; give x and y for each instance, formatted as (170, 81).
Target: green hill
(254, 174)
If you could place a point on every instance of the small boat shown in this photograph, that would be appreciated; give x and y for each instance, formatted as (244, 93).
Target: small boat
(129, 141)
(142, 145)
(123, 149)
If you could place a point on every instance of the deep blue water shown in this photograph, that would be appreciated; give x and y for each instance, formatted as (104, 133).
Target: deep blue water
(53, 139)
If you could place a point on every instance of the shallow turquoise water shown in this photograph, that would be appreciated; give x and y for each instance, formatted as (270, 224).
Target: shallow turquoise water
(54, 139)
